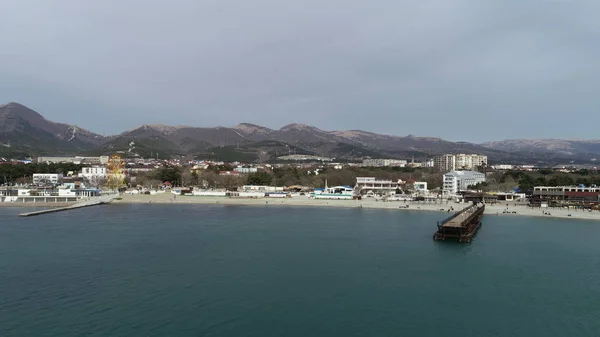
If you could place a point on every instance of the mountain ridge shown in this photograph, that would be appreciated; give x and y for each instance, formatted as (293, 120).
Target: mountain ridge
(24, 130)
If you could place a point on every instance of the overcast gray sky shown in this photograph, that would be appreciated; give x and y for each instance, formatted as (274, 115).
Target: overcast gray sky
(473, 70)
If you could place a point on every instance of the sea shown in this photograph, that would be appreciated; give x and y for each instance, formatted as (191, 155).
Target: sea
(218, 270)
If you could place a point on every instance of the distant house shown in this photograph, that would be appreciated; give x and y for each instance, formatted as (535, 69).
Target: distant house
(245, 169)
(229, 173)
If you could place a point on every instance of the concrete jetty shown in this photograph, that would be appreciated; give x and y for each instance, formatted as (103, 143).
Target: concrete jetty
(105, 199)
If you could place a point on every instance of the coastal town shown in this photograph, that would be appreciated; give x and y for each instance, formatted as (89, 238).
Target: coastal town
(442, 183)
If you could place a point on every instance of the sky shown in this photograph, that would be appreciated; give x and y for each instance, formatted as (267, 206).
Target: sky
(470, 70)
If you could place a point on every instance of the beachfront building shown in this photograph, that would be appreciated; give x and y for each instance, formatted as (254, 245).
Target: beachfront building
(48, 178)
(565, 195)
(260, 188)
(372, 185)
(335, 192)
(420, 187)
(455, 181)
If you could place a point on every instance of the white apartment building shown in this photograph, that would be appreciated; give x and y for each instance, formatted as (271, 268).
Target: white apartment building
(461, 161)
(94, 172)
(384, 162)
(48, 178)
(455, 181)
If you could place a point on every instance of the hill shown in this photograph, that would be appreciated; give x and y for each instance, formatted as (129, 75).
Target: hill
(24, 132)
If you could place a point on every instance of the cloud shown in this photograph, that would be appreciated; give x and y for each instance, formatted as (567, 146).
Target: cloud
(462, 69)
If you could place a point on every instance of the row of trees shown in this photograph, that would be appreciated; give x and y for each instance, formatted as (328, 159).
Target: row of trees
(10, 174)
(285, 176)
(526, 181)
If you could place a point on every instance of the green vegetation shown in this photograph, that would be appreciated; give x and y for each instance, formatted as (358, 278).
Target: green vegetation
(171, 174)
(259, 178)
(288, 176)
(526, 181)
(230, 154)
(22, 173)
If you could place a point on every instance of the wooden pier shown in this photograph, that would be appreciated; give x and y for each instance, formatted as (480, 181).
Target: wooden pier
(92, 202)
(462, 226)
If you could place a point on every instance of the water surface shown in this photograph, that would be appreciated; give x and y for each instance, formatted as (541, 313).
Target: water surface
(202, 270)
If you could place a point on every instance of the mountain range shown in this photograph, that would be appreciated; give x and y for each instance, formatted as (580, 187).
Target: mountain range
(24, 132)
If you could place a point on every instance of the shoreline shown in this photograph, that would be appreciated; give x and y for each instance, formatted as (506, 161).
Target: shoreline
(491, 210)
(36, 204)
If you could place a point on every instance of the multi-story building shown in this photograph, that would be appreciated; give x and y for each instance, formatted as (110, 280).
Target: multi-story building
(455, 181)
(461, 161)
(384, 162)
(48, 178)
(377, 186)
(565, 195)
(94, 172)
(445, 163)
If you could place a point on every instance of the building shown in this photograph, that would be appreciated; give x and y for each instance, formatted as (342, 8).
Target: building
(101, 160)
(384, 162)
(229, 173)
(377, 186)
(455, 181)
(420, 187)
(245, 170)
(48, 178)
(503, 167)
(445, 163)
(451, 162)
(94, 172)
(565, 195)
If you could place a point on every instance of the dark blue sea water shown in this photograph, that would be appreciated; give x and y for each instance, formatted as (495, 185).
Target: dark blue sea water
(171, 270)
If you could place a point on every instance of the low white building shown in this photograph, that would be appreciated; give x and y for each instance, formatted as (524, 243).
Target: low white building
(503, 167)
(263, 189)
(455, 181)
(420, 187)
(94, 172)
(384, 162)
(245, 170)
(48, 178)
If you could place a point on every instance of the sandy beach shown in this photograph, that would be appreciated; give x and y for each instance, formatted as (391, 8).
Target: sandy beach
(496, 210)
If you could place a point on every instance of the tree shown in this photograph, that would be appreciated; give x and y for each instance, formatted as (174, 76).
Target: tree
(561, 180)
(170, 174)
(231, 183)
(259, 178)
(186, 177)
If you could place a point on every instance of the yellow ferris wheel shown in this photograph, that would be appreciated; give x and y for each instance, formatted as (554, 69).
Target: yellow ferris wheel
(115, 171)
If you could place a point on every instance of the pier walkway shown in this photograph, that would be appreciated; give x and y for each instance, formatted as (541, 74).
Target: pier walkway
(461, 226)
(101, 200)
